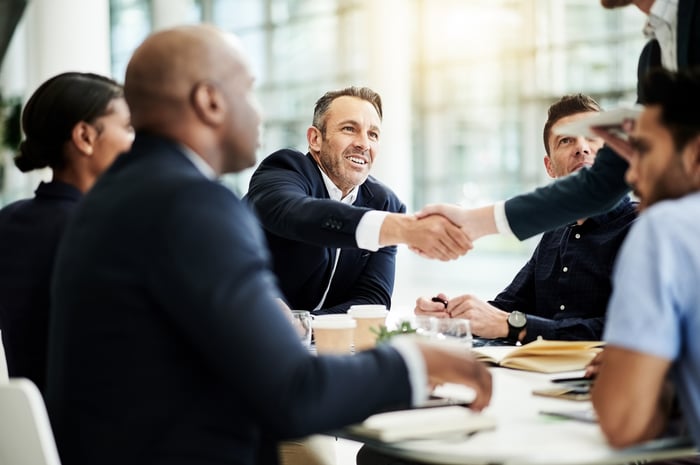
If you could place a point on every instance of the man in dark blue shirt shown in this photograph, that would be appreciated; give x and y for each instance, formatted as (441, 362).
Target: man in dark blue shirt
(563, 290)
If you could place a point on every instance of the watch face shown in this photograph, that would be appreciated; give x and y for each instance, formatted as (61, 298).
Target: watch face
(517, 319)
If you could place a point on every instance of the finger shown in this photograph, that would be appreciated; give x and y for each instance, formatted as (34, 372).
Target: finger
(460, 237)
(451, 249)
(439, 252)
(482, 384)
(428, 210)
(456, 241)
(419, 252)
(458, 312)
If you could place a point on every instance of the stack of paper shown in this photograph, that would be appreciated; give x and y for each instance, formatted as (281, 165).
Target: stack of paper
(422, 423)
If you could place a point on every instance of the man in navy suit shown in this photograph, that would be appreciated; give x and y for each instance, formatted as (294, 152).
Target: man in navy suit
(167, 343)
(324, 215)
(674, 29)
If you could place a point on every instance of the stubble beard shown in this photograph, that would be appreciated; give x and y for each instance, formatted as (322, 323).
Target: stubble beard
(674, 183)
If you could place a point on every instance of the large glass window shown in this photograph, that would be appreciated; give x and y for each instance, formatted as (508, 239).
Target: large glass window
(480, 77)
(131, 23)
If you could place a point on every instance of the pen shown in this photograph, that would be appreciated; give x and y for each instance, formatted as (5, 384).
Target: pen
(438, 299)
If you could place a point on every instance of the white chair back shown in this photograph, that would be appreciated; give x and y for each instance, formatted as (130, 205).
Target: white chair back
(25, 432)
(4, 376)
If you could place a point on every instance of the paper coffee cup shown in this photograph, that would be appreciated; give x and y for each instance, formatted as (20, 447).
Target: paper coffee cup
(333, 334)
(367, 317)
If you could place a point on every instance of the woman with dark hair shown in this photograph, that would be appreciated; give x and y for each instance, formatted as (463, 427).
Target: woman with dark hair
(76, 124)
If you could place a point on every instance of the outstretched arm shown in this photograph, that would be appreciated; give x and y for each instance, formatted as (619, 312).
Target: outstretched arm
(583, 194)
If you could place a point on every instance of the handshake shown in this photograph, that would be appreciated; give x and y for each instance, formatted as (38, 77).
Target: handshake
(440, 231)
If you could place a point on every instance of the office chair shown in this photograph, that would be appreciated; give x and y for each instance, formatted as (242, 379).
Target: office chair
(4, 376)
(25, 432)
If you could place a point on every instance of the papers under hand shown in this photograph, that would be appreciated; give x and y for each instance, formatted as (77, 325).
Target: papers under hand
(422, 423)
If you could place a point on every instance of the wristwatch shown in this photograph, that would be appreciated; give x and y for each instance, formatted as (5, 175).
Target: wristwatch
(516, 322)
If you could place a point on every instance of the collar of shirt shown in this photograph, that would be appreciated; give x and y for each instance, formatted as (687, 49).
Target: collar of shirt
(662, 25)
(336, 194)
(202, 166)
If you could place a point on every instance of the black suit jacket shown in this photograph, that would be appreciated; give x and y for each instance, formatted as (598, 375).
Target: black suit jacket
(304, 228)
(598, 189)
(166, 343)
(30, 230)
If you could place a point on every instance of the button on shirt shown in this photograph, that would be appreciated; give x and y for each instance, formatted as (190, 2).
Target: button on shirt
(565, 286)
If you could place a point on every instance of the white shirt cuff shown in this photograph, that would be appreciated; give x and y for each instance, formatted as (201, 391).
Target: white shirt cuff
(368, 229)
(415, 364)
(500, 218)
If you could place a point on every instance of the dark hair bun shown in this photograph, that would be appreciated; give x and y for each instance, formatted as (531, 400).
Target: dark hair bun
(30, 156)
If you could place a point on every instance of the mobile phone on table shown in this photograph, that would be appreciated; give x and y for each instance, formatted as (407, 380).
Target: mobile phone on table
(575, 381)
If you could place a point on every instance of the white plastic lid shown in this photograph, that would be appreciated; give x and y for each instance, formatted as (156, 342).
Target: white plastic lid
(368, 311)
(333, 322)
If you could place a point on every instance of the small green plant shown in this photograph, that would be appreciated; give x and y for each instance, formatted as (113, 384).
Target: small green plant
(383, 334)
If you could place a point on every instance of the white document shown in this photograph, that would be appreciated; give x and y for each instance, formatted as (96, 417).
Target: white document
(422, 423)
(612, 119)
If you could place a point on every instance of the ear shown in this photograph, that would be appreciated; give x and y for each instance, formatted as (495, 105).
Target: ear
(83, 137)
(548, 166)
(208, 103)
(691, 160)
(314, 138)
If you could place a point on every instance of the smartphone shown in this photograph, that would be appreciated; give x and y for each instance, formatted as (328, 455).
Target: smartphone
(577, 381)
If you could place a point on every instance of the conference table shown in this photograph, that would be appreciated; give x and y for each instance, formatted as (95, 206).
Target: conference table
(523, 435)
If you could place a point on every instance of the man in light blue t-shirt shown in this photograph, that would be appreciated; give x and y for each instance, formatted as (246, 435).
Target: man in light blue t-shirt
(653, 326)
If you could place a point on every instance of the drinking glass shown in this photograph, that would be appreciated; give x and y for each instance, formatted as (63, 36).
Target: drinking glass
(455, 330)
(301, 320)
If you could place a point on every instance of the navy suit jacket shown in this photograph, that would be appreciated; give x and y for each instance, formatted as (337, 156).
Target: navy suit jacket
(304, 228)
(598, 189)
(166, 342)
(30, 230)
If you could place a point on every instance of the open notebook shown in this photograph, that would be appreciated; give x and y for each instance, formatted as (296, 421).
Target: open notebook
(542, 355)
(422, 423)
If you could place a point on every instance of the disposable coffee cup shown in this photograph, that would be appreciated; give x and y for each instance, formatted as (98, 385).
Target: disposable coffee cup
(333, 334)
(368, 317)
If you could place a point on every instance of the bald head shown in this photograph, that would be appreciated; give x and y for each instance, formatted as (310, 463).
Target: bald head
(169, 64)
(193, 84)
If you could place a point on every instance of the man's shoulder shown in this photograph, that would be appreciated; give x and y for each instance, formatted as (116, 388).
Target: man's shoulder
(673, 212)
(286, 160)
(286, 157)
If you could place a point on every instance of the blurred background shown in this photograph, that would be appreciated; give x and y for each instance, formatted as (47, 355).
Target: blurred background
(465, 85)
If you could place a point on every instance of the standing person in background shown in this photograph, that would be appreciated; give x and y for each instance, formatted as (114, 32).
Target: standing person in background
(76, 124)
(327, 220)
(167, 343)
(562, 292)
(674, 31)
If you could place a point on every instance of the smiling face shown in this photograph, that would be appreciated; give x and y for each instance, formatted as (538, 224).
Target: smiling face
(570, 153)
(656, 170)
(346, 149)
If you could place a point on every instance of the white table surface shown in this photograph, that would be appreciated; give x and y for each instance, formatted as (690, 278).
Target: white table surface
(524, 436)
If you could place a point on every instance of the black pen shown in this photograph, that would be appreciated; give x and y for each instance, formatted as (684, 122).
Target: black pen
(441, 300)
